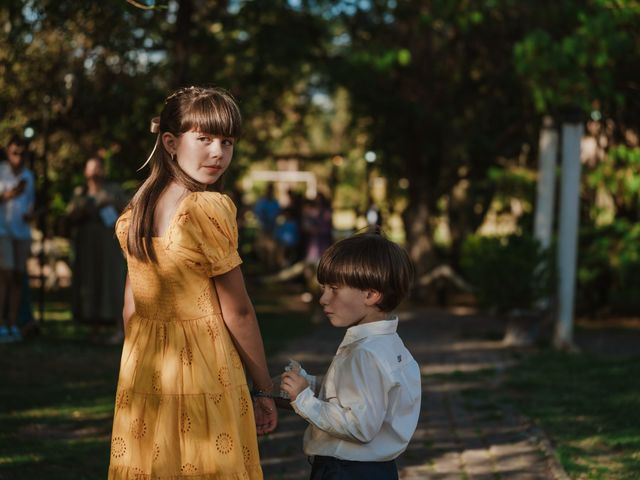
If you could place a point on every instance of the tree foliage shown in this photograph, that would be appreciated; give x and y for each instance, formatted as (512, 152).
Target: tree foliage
(447, 93)
(455, 90)
(90, 76)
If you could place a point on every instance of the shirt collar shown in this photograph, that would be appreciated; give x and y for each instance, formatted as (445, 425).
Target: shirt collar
(358, 332)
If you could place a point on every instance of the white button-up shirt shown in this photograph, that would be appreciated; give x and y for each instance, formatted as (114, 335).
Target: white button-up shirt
(369, 403)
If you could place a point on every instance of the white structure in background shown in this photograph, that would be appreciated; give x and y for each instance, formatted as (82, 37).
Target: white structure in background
(568, 231)
(546, 189)
(545, 202)
(288, 176)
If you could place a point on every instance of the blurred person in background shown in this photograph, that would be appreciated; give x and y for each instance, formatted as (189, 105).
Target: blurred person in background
(17, 198)
(98, 267)
(267, 209)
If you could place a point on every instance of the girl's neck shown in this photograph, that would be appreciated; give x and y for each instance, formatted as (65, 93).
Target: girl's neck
(176, 191)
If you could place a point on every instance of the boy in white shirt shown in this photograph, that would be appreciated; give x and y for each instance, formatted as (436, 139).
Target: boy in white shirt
(368, 406)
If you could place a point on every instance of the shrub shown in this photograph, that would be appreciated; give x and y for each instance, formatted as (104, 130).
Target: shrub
(508, 272)
(609, 268)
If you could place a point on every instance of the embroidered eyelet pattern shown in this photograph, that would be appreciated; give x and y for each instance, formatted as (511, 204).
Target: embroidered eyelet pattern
(188, 468)
(156, 451)
(224, 443)
(183, 219)
(205, 300)
(156, 382)
(213, 329)
(246, 454)
(223, 376)
(161, 334)
(138, 428)
(139, 473)
(244, 405)
(215, 223)
(122, 400)
(186, 355)
(185, 423)
(118, 447)
(214, 397)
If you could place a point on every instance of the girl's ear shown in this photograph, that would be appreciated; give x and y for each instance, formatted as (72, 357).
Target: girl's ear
(373, 297)
(170, 142)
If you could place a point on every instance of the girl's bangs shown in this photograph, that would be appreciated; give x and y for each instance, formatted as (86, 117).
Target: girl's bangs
(213, 115)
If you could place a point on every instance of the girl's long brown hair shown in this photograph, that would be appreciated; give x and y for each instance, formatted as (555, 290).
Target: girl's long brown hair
(207, 110)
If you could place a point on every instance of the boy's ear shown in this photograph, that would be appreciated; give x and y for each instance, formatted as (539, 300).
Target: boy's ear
(373, 297)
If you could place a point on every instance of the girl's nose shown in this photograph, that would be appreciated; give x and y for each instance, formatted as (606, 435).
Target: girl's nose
(215, 148)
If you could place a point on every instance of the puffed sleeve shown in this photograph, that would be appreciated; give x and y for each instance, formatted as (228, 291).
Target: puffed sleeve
(205, 233)
(122, 229)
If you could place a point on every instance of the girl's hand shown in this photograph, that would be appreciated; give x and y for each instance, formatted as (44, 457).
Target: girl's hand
(293, 383)
(264, 409)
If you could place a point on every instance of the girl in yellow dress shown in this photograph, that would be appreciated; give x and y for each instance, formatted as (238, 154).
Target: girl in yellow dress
(183, 409)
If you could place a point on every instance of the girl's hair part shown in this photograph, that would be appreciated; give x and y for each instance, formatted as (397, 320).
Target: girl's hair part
(208, 110)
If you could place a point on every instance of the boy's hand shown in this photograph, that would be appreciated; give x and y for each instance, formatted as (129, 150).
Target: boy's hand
(293, 383)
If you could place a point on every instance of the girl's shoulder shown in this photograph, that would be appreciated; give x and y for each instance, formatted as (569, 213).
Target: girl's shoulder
(210, 204)
(122, 227)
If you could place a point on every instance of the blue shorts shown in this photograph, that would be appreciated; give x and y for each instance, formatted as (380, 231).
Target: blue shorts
(330, 468)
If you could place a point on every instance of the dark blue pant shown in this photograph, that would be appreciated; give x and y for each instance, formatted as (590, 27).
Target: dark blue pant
(330, 468)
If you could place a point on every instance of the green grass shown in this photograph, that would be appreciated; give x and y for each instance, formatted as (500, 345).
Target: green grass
(588, 405)
(56, 408)
(57, 390)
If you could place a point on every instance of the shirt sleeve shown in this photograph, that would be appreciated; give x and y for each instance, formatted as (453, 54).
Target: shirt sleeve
(360, 405)
(30, 191)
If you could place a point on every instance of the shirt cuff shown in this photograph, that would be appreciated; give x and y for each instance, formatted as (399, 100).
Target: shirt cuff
(303, 402)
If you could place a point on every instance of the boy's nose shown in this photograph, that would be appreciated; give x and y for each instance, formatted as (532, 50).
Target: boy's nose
(323, 299)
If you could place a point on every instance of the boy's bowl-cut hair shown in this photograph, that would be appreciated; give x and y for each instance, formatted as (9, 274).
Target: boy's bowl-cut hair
(368, 261)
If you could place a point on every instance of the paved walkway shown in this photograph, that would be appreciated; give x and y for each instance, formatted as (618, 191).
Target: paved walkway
(464, 432)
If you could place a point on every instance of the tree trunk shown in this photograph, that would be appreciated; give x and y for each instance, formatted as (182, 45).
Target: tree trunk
(419, 236)
(182, 43)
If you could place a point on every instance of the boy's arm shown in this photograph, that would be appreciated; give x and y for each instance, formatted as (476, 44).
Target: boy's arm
(360, 405)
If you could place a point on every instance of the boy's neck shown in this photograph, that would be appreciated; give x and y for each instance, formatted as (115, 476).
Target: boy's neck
(374, 316)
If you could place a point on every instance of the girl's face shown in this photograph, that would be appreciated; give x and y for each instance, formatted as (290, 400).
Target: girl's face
(202, 156)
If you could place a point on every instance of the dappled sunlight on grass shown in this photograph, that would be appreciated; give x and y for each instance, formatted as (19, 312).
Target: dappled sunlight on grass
(588, 405)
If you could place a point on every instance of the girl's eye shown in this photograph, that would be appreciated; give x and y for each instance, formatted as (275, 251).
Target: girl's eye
(228, 141)
(204, 139)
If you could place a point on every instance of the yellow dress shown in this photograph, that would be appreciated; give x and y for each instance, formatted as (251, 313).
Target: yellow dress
(183, 409)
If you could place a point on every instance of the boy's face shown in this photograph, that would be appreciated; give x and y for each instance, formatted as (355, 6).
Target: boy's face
(346, 306)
